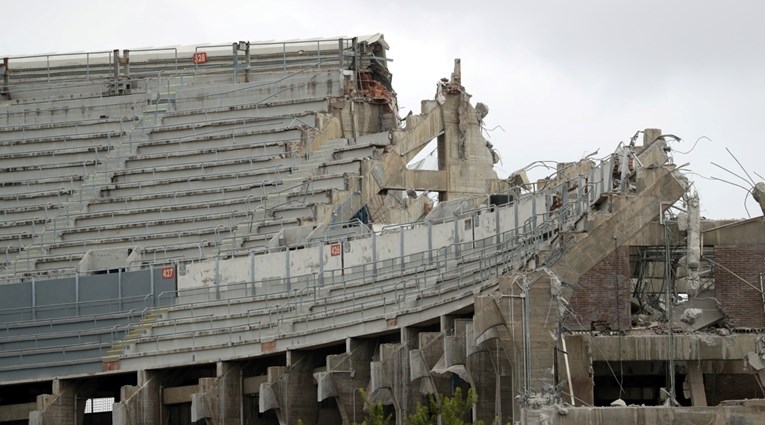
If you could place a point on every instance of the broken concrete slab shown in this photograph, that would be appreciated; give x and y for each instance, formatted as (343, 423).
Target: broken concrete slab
(697, 313)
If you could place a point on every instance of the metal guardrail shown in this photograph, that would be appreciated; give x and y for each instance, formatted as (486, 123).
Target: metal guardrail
(47, 60)
(50, 323)
(359, 295)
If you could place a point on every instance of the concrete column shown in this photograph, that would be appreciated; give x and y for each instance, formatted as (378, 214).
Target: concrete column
(301, 391)
(695, 381)
(61, 407)
(462, 150)
(577, 374)
(139, 403)
(693, 256)
(493, 349)
(219, 399)
(542, 323)
(347, 373)
(394, 364)
(431, 351)
(523, 321)
(489, 371)
(291, 391)
(447, 323)
(650, 134)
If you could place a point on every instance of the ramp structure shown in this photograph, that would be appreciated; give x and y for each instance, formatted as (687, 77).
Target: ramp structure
(233, 234)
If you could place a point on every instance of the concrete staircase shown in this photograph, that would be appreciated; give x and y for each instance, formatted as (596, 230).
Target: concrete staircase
(133, 332)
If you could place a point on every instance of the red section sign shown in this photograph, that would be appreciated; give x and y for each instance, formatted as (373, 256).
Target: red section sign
(168, 273)
(335, 249)
(199, 57)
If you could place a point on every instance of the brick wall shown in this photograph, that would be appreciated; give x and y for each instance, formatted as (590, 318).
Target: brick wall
(594, 300)
(740, 302)
(731, 387)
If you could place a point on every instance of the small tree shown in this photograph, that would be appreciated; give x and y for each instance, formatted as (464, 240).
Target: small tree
(452, 410)
(375, 413)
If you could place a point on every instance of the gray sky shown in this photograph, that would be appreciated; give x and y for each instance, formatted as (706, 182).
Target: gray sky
(562, 78)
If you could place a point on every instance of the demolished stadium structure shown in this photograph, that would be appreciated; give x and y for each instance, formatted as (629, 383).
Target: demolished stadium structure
(232, 234)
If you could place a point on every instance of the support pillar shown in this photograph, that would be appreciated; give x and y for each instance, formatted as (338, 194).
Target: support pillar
(524, 320)
(60, 408)
(219, 399)
(423, 361)
(695, 381)
(575, 371)
(346, 374)
(489, 373)
(290, 390)
(139, 403)
(391, 384)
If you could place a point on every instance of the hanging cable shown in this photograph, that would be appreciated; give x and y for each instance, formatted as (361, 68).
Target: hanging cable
(694, 145)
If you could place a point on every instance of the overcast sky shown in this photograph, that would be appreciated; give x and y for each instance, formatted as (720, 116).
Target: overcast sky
(562, 78)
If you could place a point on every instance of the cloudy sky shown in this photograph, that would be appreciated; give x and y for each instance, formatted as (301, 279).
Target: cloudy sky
(562, 78)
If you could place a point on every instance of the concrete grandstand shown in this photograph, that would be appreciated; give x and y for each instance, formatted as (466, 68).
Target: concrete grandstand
(231, 234)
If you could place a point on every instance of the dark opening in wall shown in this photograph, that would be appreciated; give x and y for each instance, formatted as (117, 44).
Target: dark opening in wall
(642, 383)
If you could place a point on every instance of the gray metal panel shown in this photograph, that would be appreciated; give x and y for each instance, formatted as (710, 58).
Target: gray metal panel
(86, 295)
(55, 298)
(11, 298)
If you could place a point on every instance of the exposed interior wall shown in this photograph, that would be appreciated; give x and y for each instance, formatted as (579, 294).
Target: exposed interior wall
(721, 387)
(742, 303)
(601, 299)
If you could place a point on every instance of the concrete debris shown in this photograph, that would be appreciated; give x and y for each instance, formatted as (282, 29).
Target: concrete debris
(618, 403)
(754, 361)
(690, 315)
(723, 331)
(697, 314)
(481, 110)
(549, 396)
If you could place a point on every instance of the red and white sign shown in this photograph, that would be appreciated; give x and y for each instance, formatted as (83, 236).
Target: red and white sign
(168, 273)
(335, 249)
(199, 57)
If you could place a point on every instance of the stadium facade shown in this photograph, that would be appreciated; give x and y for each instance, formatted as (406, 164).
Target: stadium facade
(235, 234)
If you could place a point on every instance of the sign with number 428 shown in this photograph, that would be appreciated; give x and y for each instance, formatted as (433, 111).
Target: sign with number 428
(200, 57)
